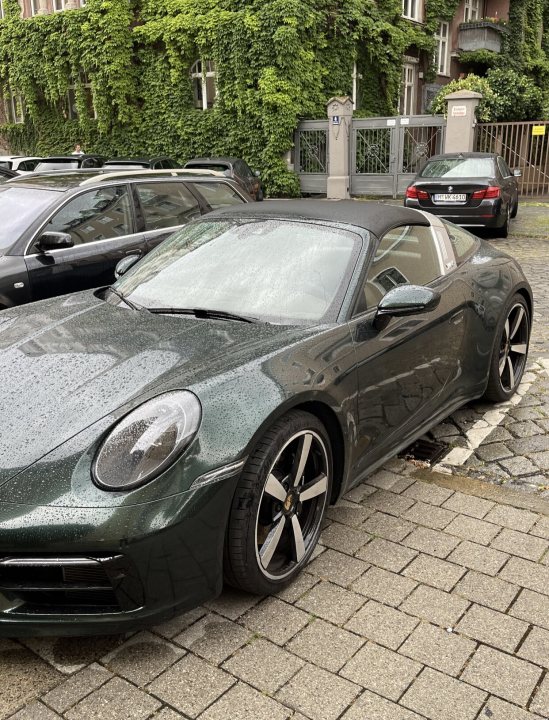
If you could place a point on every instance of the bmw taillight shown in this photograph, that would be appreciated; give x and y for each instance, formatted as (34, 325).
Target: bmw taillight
(414, 194)
(491, 192)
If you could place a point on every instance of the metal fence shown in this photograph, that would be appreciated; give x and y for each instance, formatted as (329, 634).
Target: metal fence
(523, 145)
(311, 155)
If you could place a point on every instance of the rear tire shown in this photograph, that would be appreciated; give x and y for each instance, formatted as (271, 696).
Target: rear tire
(279, 504)
(504, 231)
(514, 211)
(510, 351)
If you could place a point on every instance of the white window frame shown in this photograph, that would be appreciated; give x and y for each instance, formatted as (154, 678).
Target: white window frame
(204, 97)
(472, 10)
(411, 9)
(442, 52)
(62, 4)
(34, 7)
(408, 89)
(73, 114)
(1, 9)
(14, 108)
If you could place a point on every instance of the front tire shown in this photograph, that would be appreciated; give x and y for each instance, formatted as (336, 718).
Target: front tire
(510, 351)
(279, 504)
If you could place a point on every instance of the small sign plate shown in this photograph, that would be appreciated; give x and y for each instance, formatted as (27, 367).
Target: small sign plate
(336, 120)
(538, 129)
(459, 111)
(391, 122)
(404, 121)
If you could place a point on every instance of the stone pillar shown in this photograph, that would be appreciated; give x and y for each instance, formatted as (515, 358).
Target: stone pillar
(340, 116)
(461, 121)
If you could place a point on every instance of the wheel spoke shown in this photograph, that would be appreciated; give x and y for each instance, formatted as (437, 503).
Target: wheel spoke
(511, 373)
(317, 487)
(298, 539)
(274, 488)
(502, 362)
(517, 322)
(520, 348)
(301, 458)
(271, 543)
(506, 330)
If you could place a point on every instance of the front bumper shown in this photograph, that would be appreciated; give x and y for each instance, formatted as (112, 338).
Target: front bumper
(84, 571)
(485, 215)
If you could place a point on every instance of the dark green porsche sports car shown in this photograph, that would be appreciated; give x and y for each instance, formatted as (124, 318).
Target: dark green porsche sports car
(193, 421)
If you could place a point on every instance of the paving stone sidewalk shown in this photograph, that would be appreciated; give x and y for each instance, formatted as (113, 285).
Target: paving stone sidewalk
(424, 600)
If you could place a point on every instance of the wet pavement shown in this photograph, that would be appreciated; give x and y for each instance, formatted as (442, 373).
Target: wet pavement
(427, 598)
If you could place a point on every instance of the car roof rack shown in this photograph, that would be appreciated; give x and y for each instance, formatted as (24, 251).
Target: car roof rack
(146, 172)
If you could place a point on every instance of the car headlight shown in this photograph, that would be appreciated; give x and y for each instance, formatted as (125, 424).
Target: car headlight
(147, 440)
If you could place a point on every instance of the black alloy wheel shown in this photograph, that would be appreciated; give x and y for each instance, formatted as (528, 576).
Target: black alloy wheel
(510, 352)
(279, 504)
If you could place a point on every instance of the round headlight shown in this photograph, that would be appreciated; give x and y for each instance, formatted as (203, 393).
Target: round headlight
(147, 440)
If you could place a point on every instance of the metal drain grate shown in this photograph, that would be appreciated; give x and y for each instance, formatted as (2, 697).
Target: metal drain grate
(426, 450)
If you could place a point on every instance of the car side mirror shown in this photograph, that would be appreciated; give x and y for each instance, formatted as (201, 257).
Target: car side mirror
(53, 240)
(405, 300)
(517, 172)
(257, 173)
(125, 264)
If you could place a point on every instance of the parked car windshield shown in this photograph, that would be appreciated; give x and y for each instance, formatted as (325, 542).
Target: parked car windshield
(19, 207)
(277, 271)
(57, 165)
(126, 166)
(458, 167)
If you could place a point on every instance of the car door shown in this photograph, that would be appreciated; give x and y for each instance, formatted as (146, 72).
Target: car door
(407, 371)
(101, 223)
(164, 207)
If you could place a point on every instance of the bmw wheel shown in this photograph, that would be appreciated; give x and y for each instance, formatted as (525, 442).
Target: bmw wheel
(504, 230)
(510, 351)
(279, 504)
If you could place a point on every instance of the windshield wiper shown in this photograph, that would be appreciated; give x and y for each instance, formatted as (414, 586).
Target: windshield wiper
(129, 303)
(205, 313)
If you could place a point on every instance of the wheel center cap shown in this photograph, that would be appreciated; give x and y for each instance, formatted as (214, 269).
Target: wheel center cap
(290, 504)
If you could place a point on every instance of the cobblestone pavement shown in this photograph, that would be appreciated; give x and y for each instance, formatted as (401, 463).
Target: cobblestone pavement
(427, 598)
(423, 601)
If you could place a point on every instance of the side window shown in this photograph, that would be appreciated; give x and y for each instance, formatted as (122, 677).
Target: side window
(218, 194)
(167, 204)
(462, 241)
(246, 172)
(504, 170)
(405, 255)
(99, 214)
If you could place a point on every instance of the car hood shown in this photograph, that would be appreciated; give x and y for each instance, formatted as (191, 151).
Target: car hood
(68, 362)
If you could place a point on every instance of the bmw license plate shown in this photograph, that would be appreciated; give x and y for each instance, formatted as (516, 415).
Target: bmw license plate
(450, 197)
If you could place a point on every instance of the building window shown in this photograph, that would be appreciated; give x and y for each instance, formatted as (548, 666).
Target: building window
(14, 108)
(203, 77)
(72, 108)
(1, 9)
(408, 90)
(411, 9)
(473, 10)
(441, 52)
(34, 7)
(58, 5)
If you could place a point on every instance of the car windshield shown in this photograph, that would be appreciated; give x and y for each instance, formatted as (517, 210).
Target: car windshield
(219, 167)
(125, 166)
(279, 271)
(458, 167)
(19, 207)
(57, 165)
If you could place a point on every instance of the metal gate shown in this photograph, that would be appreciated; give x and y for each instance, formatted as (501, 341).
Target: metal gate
(523, 145)
(311, 156)
(387, 152)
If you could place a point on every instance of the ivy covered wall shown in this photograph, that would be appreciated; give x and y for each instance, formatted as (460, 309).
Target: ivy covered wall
(277, 61)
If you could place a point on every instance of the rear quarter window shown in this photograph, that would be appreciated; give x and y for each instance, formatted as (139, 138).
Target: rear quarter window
(462, 241)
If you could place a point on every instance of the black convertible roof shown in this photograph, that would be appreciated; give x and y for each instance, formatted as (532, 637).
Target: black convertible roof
(376, 217)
